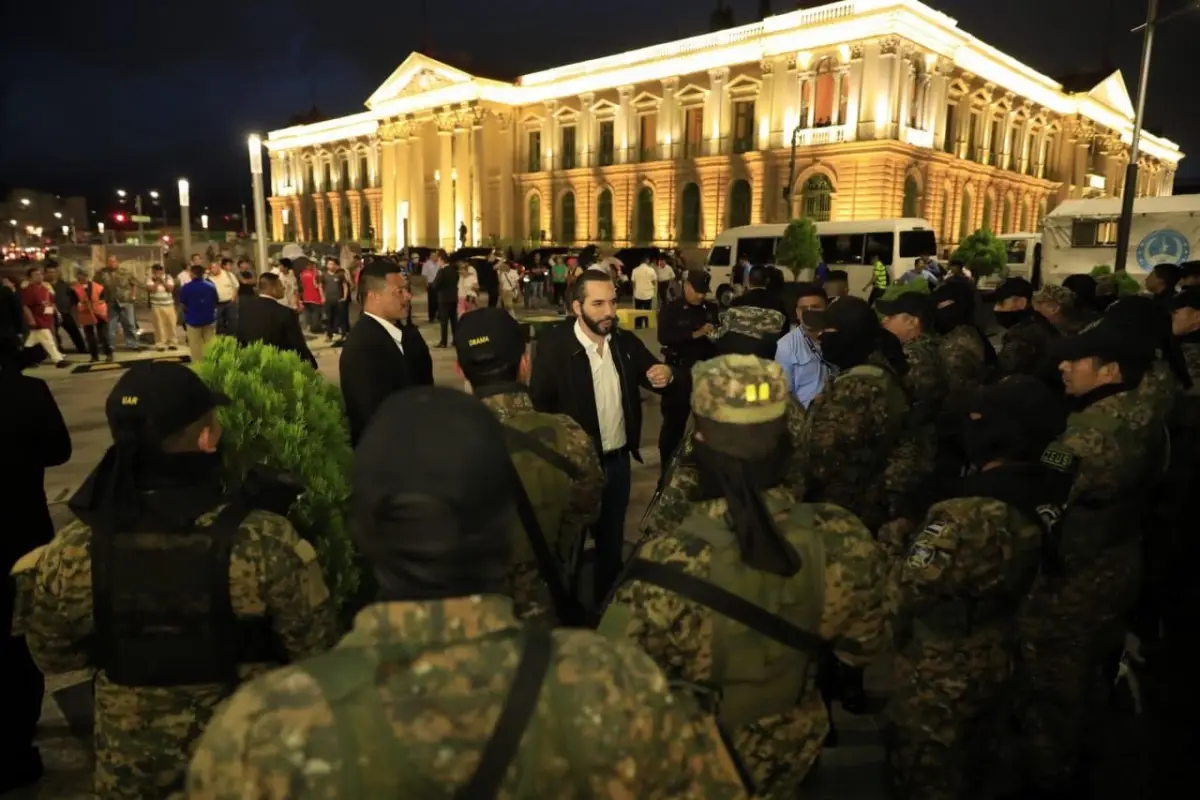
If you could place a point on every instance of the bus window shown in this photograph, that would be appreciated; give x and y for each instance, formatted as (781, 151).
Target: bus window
(917, 243)
(843, 248)
(879, 245)
(1016, 251)
(757, 250)
(720, 256)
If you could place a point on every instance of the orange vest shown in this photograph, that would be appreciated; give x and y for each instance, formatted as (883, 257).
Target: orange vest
(90, 309)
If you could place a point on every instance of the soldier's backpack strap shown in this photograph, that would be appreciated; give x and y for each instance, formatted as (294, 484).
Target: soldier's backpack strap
(568, 609)
(723, 602)
(519, 440)
(518, 710)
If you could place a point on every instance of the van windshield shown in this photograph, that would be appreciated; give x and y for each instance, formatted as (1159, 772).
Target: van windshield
(1016, 251)
(719, 256)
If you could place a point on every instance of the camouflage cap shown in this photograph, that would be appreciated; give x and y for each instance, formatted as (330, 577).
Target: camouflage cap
(739, 389)
(1055, 293)
(751, 321)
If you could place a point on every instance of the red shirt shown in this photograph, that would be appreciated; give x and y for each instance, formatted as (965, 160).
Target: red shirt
(309, 293)
(40, 302)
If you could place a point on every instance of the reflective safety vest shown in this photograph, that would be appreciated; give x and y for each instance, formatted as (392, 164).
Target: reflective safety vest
(764, 638)
(162, 609)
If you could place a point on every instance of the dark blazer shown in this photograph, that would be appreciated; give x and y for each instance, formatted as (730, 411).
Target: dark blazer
(562, 380)
(262, 319)
(372, 367)
(445, 284)
(41, 440)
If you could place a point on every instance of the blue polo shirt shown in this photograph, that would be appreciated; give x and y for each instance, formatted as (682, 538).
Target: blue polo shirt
(199, 301)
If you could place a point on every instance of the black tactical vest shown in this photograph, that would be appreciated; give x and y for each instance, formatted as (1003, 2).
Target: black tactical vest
(161, 605)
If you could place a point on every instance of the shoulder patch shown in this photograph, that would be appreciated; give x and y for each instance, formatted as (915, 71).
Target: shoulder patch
(305, 551)
(920, 556)
(1058, 458)
(932, 531)
(29, 561)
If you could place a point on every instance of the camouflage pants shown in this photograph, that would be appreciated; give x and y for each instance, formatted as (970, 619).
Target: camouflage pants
(779, 751)
(944, 722)
(1068, 636)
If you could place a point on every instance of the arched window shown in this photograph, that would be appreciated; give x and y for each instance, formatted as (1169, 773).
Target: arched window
(911, 198)
(645, 215)
(987, 213)
(535, 218)
(604, 216)
(816, 200)
(689, 204)
(968, 209)
(824, 99)
(1006, 225)
(568, 218)
(739, 203)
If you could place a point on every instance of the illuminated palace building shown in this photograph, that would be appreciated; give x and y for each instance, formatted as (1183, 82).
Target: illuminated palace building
(893, 109)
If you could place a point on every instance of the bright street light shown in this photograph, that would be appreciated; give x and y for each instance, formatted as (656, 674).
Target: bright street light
(58, 215)
(25, 201)
(121, 193)
(153, 194)
(204, 221)
(12, 222)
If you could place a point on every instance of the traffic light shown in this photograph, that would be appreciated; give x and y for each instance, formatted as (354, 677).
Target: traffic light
(166, 238)
(119, 218)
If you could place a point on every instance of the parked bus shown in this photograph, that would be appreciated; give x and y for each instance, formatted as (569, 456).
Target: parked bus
(849, 246)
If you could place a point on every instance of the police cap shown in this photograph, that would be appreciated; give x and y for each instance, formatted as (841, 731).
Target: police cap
(154, 400)
(489, 336)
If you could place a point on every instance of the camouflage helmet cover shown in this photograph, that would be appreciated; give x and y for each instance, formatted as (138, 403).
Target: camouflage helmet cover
(739, 389)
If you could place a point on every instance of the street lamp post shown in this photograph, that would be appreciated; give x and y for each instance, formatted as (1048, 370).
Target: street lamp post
(787, 190)
(254, 143)
(186, 217)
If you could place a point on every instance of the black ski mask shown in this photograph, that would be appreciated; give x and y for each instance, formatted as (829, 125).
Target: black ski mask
(955, 301)
(441, 530)
(1013, 420)
(852, 333)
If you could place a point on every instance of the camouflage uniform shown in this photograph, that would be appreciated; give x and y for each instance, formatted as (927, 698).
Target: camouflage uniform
(120, 285)
(143, 734)
(606, 723)
(1072, 624)
(973, 553)
(564, 525)
(778, 749)
(1023, 346)
(1191, 357)
(963, 358)
(853, 427)
(912, 461)
(1075, 319)
(750, 321)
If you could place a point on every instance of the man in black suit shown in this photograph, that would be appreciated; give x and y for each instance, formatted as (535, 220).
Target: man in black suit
(382, 354)
(591, 370)
(36, 439)
(264, 318)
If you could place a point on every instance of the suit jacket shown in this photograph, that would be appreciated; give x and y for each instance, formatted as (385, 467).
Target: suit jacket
(561, 382)
(372, 368)
(263, 319)
(41, 440)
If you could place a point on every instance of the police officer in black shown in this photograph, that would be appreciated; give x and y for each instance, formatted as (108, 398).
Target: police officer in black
(683, 329)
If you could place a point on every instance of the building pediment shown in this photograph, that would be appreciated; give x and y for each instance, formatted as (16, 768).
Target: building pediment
(1113, 93)
(418, 74)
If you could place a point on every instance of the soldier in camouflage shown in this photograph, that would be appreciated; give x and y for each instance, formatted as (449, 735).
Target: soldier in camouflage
(438, 690)
(909, 317)
(749, 537)
(121, 288)
(964, 349)
(862, 414)
(958, 586)
(559, 469)
(132, 588)
(749, 329)
(1073, 627)
(1027, 334)
(1059, 306)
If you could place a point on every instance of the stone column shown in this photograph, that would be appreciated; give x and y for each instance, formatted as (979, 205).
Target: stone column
(277, 206)
(463, 213)
(762, 108)
(668, 125)
(714, 114)
(354, 196)
(939, 86)
(387, 182)
(375, 204)
(622, 126)
(303, 234)
(319, 204)
(584, 135)
(478, 169)
(335, 207)
(505, 189)
(445, 226)
(840, 76)
(809, 80)
(418, 226)
(400, 209)
(907, 82)
(854, 103)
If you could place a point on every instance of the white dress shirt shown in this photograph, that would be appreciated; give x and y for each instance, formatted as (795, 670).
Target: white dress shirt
(396, 334)
(606, 386)
(645, 282)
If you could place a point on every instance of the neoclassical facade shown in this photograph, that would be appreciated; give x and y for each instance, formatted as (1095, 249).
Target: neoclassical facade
(859, 109)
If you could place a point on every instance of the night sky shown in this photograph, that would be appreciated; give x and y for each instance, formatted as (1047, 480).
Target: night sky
(137, 93)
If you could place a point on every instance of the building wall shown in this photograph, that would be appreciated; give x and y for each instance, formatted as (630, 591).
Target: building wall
(891, 127)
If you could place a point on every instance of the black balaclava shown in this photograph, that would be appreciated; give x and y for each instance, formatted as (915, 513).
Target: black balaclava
(1084, 288)
(439, 530)
(1013, 287)
(955, 302)
(1013, 420)
(1141, 315)
(853, 333)
(739, 462)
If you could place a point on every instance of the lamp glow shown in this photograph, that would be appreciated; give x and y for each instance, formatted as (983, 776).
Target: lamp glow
(100, 227)
(204, 221)
(58, 215)
(183, 192)
(286, 215)
(153, 194)
(66, 229)
(25, 201)
(254, 143)
(121, 193)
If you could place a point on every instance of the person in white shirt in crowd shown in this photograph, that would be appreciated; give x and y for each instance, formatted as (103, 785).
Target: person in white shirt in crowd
(429, 271)
(287, 279)
(468, 289)
(222, 277)
(665, 274)
(645, 284)
(161, 288)
(509, 280)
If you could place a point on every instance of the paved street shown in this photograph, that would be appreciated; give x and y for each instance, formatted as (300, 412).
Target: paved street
(853, 770)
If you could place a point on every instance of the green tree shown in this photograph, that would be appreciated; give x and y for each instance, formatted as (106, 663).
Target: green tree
(800, 247)
(285, 416)
(983, 254)
(1120, 283)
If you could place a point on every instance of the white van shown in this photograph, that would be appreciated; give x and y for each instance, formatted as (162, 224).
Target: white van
(849, 246)
(1024, 259)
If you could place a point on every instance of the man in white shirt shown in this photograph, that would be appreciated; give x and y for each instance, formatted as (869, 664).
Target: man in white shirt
(221, 275)
(665, 273)
(645, 284)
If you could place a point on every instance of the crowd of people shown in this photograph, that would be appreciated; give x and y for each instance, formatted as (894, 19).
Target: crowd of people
(843, 484)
